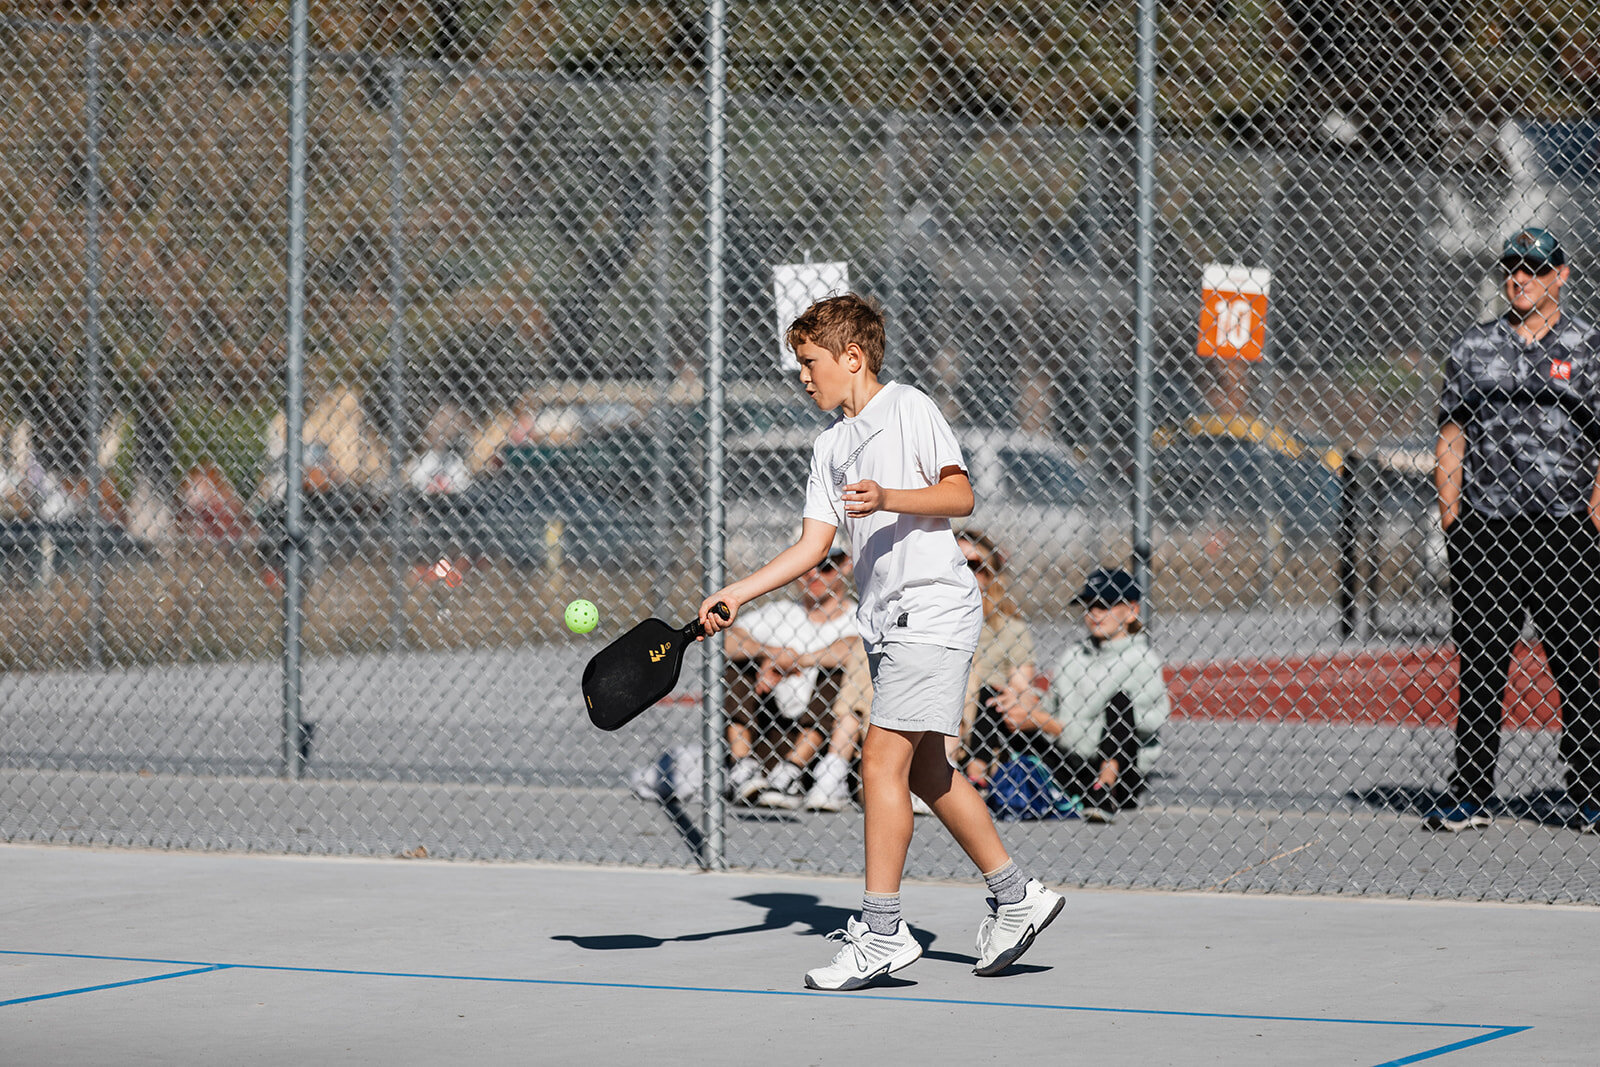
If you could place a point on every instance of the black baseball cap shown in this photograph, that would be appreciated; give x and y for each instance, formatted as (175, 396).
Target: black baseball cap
(1533, 249)
(1106, 588)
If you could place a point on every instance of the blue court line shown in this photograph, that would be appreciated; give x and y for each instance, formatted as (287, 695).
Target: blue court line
(107, 985)
(1494, 1033)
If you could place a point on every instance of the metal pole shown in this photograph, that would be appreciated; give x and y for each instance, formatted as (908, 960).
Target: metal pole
(95, 414)
(894, 225)
(397, 352)
(1144, 284)
(1096, 380)
(294, 538)
(711, 665)
(661, 326)
(1265, 384)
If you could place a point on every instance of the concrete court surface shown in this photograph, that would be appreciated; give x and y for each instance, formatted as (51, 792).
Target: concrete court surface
(132, 957)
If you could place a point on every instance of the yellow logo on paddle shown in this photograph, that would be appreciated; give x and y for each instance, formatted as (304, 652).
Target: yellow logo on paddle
(659, 654)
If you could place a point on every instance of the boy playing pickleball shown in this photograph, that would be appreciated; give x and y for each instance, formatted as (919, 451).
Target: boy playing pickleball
(891, 474)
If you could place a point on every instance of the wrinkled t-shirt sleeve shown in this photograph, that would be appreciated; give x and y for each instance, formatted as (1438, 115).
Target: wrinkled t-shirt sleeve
(932, 441)
(822, 503)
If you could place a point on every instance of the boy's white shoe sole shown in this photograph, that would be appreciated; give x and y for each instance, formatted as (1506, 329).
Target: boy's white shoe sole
(865, 957)
(1009, 929)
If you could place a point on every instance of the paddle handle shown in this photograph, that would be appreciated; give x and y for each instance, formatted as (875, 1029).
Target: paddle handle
(696, 630)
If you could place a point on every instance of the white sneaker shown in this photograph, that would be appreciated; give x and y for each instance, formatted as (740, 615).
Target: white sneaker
(865, 957)
(823, 798)
(745, 780)
(788, 798)
(1008, 929)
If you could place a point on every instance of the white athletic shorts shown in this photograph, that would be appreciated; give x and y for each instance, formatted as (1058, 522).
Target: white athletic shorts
(919, 687)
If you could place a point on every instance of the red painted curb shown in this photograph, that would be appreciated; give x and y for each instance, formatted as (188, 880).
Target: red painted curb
(1404, 687)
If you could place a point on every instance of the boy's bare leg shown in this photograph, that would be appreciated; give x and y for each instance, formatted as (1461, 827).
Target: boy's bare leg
(886, 797)
(957, 804)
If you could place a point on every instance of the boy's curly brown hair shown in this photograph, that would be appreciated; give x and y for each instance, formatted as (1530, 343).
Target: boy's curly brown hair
(838, 320)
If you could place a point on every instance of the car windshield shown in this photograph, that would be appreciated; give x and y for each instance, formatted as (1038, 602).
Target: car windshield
(1030, 473)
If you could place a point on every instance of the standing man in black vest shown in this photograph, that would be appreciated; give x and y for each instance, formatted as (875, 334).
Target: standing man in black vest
(1517, 455)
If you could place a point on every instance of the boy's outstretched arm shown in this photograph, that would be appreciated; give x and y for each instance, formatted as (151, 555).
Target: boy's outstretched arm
(948, 498)
(816, 538)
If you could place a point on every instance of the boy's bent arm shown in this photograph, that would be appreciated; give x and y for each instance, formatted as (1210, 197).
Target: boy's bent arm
(948, 498)
(816, 538)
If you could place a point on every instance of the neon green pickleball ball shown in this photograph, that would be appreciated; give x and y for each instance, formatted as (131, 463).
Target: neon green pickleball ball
(582, 616)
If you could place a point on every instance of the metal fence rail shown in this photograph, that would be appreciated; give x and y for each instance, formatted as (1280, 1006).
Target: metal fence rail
(513, 302)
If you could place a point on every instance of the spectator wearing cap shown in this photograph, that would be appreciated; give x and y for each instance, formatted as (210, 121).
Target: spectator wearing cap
(1516, 461)
(1097, 726)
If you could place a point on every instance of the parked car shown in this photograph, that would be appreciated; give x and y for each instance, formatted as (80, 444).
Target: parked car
(1030, 494)
(35, 548)
(535, 502)
(1032, 497)
(1243, 469)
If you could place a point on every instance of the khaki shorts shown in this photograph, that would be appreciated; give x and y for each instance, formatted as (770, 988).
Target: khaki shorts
(919, 687)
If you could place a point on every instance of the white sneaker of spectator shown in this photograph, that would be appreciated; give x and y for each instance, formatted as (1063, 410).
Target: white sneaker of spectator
(784, 789)
(830, 790)
(745, 779)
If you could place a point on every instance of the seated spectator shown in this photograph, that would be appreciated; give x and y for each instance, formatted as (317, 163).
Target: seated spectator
(1096, 728)
(830, 788)
(1004, 659)
(784, 661)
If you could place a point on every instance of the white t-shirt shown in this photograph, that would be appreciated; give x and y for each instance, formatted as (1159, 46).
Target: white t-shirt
(911, 577)
(785, 624)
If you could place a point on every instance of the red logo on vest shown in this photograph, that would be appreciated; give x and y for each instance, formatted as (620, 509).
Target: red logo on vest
(1561, 368)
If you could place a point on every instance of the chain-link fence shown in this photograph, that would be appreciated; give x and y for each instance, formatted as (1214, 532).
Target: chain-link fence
(476, 294)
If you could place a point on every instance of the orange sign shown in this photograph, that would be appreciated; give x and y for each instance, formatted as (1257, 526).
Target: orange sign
(1233, 311)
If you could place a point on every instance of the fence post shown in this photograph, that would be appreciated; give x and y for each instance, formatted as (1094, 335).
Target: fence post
(711, 852)
(398, 541)
(1144, 336)
(1265, 386)
(661, 326)
(894, 227)
(294, 400)
(95, 415)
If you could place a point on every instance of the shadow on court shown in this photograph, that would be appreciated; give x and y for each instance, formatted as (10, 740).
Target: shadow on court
(783, 910)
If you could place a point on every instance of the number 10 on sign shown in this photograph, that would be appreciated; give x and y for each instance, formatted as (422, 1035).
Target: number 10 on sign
(1233, 311)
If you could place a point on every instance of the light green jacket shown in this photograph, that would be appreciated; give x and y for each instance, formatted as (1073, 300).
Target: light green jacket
(1085, 680)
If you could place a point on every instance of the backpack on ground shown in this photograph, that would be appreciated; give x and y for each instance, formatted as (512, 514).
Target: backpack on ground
(1023, 789)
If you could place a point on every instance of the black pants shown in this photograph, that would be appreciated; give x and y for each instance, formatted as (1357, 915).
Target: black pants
(1501, 569)
(772, 730)
(992, 741)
